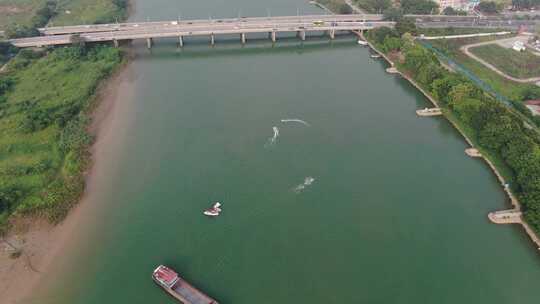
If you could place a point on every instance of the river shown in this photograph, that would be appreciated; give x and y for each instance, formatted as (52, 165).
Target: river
(396, 213)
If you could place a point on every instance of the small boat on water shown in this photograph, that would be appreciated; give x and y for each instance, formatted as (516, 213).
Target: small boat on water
(375, 56)
(213, 211)
(171, 282)
(362, 42)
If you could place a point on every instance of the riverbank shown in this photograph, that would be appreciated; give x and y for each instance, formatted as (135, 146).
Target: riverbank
(41, 241)
(513, 200)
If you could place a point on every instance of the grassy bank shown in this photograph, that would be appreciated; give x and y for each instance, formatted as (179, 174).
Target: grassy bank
(22, 17)
(516, 64)
(496, 130)
(512, 90)
(44, 113)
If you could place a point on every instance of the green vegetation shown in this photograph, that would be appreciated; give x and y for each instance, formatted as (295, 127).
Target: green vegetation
(488, 7)
(512, 90)
(18, 11)
(516, 64)
(420, 7)
(89, 11)
(21, 18)
(496, 130)
(374, 6)
(336, 6)
(44, 103)
(525, 4)
(39, 19)
(450, 11)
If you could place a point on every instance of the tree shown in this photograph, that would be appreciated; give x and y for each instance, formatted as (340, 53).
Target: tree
(393, 14)
(421, 7)
(378, 6)
(428, 73)
(379, 34)
(405, 25)
(488, 7)
(392, 44)
(450, 11)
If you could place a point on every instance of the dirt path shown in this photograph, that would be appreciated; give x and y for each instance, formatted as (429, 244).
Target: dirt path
(465, 49)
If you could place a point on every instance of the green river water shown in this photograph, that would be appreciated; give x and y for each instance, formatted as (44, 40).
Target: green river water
(396, 214)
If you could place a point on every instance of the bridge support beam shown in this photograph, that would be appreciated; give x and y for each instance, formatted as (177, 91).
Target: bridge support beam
(149, 43)
(212, 39)
(115, 43)
(302, 35)
(243, 38)
(272, 35)
(332, 34)
(180, 41)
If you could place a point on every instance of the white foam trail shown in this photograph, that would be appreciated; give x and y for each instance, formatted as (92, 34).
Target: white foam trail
(276, 133)
(296, 120)
(307, 181)
(271, 141)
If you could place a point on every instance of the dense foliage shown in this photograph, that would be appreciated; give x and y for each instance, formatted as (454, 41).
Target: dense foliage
(374, 6)
(40, 19)
(450, 11)
(420, 7)
(525, 4)
(489, 7)
(43, 143)
(498, 131)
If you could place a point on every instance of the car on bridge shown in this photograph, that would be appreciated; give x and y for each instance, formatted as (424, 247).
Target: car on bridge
(318, 22)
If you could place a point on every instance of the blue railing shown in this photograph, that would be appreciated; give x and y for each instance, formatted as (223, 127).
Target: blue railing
(467, 73)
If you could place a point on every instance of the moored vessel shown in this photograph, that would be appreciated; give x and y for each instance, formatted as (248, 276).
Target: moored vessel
(169, 280)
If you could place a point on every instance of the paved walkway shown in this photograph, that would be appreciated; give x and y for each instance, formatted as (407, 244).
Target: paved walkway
(465, 49)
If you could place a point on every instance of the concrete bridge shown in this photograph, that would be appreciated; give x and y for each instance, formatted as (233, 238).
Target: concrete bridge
(210, 28)
(300, 25)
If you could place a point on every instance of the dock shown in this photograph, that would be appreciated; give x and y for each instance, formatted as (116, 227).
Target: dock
(511, 216)
(429, 112)
(473, 152)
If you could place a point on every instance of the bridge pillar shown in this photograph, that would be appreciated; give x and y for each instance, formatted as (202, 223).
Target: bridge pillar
(273, 36)
(149, 43)
(332, 33)
(115, 42)
(243, 38)
(212, 39)
(302, 35)
(180, 41)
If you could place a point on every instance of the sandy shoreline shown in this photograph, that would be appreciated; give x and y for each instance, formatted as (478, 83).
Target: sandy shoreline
(513, 200)
(41, 241)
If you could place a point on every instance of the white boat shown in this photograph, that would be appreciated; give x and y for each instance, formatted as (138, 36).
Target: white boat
(375, 56)
(362, 42)
(213, 211)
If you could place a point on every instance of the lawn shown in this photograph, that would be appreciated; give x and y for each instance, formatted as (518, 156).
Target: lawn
(18, 11)
(88, 11)
(516, 64)
(43, 120)
(510, 89)
(67, 12)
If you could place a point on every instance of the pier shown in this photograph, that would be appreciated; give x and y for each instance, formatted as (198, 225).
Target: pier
(429, 112)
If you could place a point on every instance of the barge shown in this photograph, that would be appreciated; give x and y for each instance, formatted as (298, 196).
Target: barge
(169, 280)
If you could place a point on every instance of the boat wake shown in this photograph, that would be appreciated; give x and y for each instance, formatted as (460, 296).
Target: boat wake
(307, 182)
(296, 120)
(272, 141)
